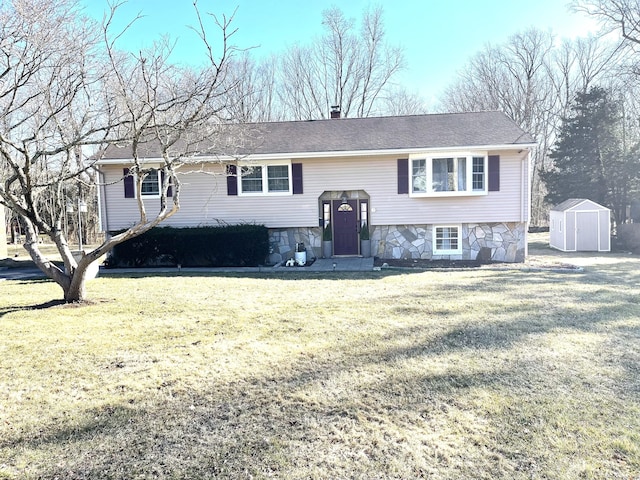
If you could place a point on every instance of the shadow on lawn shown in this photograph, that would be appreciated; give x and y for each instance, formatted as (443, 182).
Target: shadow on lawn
(289, 424)
(615, 268)
(265, 426)
(39, 306)
(274, 275)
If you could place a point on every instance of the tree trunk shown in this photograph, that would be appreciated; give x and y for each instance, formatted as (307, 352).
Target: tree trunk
(76, 291)
(86, 269)
(72, 279)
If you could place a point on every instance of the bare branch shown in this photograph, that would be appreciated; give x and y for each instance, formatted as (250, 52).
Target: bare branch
(64, 86)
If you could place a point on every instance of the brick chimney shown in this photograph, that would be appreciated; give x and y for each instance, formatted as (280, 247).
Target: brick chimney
(335, 111)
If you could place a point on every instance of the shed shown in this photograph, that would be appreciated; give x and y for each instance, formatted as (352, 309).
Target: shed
(580, 225)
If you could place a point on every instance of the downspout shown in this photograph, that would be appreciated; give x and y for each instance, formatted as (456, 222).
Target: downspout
(525, 202)
(103, 218)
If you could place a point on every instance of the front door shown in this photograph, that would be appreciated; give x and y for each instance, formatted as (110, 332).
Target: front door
(345, 227)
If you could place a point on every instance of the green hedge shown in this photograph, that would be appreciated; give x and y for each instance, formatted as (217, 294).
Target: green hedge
(228, 246)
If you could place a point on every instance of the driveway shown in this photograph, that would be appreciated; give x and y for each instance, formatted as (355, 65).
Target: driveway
(20, 273)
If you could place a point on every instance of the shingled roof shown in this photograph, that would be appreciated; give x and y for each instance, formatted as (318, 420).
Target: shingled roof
(448, 130)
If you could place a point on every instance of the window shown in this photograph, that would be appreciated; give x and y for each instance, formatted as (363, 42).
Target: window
(151, 184)
(446, 240)
(419, 175)
(326, 214)
(278, 178)
(251, 179)
(364, 213)
(477, 174)
(265, 179)
(449, 174)
(454, 175)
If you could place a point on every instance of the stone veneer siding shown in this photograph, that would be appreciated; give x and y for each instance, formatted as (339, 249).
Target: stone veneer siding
(506, 241)
(282, 242)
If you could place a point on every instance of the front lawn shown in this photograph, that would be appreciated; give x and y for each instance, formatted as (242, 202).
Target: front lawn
(481, 373)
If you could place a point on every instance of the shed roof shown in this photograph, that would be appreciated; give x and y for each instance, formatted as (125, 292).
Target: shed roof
(475, 129)
(575, 202)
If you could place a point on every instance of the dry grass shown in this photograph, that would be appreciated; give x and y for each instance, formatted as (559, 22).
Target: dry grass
(448, 375)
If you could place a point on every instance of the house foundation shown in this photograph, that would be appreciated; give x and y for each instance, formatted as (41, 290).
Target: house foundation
(506, 242)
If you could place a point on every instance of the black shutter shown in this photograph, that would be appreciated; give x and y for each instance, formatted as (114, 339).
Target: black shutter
(232, 180)
(296, 173)
(403, 175)
(494, 173)
(129, 188)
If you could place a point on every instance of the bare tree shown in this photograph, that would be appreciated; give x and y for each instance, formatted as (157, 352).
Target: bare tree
(344, 67)
(622, 15)
(252, 96)
(399, 101)
(62, 89)
(512, 78)
(534, 82)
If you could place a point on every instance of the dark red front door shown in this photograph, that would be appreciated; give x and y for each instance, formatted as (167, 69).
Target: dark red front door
(345, 227)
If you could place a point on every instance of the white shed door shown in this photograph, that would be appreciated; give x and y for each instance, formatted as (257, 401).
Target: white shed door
(587, 231)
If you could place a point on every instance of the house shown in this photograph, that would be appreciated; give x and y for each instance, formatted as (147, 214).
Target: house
(439, 186)
(580, 225)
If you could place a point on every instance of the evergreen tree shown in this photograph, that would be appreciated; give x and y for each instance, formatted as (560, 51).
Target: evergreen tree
(589, 158)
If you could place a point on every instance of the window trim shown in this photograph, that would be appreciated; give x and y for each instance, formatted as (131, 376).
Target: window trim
(457, 251)
(429, 159)
(265, 178)
(131, 183)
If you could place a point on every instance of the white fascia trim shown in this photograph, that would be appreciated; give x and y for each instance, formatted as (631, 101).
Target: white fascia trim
(129, 161)
(370, 153)
(333, 154)
(160, 161)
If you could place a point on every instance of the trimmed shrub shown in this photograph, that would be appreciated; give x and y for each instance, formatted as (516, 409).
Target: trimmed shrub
(227, 246)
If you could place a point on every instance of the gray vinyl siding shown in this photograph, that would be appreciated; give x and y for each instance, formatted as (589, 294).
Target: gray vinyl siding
(204, 199)
(557, 228)
(378, 178)
(604, 230)
(507, 205)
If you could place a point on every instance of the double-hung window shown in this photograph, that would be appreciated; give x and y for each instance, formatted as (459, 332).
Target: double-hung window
(151, 184)
(446, 240)
(265, 179)
(448, 175)
(478, 177)
(251, 179)
(278, 178)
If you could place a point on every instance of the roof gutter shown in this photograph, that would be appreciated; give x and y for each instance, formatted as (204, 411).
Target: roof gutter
(329, 154)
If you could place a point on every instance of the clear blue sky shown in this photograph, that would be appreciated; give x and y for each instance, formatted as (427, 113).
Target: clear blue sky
(438, 36)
